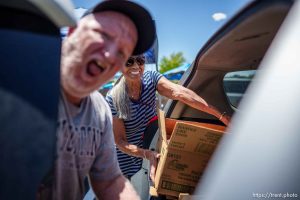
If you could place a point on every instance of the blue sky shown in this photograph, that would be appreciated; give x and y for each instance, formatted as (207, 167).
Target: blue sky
(182, 25)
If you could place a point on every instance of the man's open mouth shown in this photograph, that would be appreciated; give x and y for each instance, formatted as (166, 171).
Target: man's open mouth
(94, 68)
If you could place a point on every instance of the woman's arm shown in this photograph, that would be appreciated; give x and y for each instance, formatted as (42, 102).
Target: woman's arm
(121, 141)
(187, 96)
(131, 149)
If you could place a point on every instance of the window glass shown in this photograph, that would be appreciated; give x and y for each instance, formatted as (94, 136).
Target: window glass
(236, 84)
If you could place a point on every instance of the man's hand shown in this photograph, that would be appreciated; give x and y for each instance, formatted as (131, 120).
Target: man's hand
(118, 188)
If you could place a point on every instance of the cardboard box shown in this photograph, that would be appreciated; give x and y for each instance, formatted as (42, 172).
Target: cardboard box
(185, 149)
(184, 196)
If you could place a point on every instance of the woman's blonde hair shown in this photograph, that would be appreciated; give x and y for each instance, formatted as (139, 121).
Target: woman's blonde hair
(121, 99)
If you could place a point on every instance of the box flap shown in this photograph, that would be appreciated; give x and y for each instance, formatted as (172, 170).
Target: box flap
(162, 125)
(194, 138)
(161, 164)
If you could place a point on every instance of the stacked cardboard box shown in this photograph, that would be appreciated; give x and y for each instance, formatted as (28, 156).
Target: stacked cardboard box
(185, 149)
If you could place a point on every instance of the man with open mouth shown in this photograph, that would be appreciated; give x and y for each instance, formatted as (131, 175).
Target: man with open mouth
(105, 37)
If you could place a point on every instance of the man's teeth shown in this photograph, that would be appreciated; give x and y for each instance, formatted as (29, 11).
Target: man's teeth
(135, 73)
(99, 65)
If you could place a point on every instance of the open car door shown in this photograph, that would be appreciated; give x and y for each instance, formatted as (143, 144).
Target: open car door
(29, 89)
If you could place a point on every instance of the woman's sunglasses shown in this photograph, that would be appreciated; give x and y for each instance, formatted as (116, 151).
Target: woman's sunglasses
(138, 59)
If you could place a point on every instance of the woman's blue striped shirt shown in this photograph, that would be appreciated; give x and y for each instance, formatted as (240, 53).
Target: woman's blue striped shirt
(141, 112)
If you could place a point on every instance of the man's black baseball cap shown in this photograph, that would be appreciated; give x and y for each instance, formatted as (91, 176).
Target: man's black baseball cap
(140, 17)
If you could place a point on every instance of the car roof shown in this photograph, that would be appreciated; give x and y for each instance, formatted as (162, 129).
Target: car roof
(254, 27)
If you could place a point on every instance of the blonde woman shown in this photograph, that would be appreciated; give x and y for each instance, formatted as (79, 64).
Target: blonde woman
(133, 105)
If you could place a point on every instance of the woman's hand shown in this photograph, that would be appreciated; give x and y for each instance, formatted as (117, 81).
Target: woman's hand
(152, 156)
(225, 119)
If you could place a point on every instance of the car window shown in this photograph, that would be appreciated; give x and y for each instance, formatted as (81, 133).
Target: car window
(235, 85)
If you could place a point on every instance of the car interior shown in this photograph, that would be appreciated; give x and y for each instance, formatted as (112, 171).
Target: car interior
(236, 49)
(259, 156)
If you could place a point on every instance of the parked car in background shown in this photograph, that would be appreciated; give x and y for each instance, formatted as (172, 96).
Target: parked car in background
(253, 158)
(176, 73)
(236, 84)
